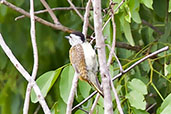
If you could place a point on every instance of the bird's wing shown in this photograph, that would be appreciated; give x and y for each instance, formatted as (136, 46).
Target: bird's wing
(78, 61)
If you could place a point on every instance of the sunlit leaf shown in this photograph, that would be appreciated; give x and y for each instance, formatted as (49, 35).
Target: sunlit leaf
(148, 3)
(45, 82)
(166, 106)
(136, 100)
(66, 82)
(169, 10)
(136, 84)
(127, 31)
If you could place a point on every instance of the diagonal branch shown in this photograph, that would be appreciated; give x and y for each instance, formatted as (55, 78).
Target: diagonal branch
(78, 13)
(73, 6)
(38, 19)
(71, 95)
(50, 12)
(25, 74)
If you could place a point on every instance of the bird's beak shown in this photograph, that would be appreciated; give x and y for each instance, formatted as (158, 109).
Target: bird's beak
(67, 37)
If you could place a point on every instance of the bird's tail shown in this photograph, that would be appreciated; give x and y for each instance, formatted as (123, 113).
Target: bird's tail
(93, 81)
(98, 88)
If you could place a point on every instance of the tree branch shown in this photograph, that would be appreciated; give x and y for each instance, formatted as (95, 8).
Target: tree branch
(78, 13)
(110, 59)
(53, 9)
(108, 106)
(55, 20)
(25, 74)
(38, 19)
(71, 95)
(95, 103)
(35, 55)
(86, 21)
(120, 4)
(152, 27)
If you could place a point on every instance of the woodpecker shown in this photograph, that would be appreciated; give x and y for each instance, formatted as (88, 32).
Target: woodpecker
(84, 60)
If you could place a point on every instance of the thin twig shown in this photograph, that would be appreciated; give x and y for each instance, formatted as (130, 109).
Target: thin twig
(53, 9)
(86, 21)
(55, 20)
(152, 27)
(151, 107)
(78, 13)
(110, 59)
(85, 100)
(125, 71)
(83, 110)
(37, 109)
(38, 19)
(35, 55)
(120, 4)
(94, 104)
(71, 95)
(25, 74)
(108, 105)
(128, 46)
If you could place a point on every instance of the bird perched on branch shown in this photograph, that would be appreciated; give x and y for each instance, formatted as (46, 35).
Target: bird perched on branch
(84, 60)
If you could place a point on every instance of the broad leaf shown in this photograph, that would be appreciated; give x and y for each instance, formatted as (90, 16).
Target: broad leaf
(166, 106)
(127, 31)
(84, 88)
(66, 82)
(169, 10)
(148, 3)
(136, 100)
(59, 107)
(45, 82)
(138, 85)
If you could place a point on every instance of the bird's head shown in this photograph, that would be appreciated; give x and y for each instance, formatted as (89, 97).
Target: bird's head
(75, 38)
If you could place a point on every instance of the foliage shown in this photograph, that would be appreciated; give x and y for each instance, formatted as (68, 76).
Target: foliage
(147, 84)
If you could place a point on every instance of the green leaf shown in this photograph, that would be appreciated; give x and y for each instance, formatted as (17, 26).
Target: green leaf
(167, 110)
(128, 14)
(166, 106)
(19, 2)
(169, 10)
(45, 82)
(127, 30)
(148, 3)
(107, 33)
(136, 100)
(3, 10)
(84, 88)
(136, 16)
(134, 10)
(59, 107)
(136, 84)
(66, 82)
(137, 111)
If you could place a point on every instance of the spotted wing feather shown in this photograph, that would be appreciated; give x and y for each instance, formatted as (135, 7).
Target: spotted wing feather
(78, 61)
